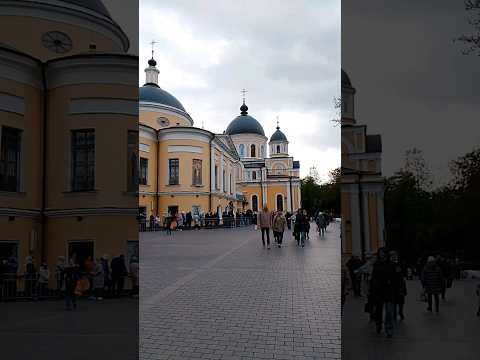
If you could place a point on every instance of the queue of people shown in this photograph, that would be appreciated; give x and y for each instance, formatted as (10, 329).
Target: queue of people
(95, 278)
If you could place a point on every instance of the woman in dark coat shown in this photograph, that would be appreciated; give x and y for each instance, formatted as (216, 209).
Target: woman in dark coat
(432, 281)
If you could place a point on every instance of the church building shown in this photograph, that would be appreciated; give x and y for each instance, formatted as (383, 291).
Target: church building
(362, 185)
(185, 168)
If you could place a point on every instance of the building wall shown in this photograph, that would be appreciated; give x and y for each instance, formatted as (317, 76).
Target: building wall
(150, 118)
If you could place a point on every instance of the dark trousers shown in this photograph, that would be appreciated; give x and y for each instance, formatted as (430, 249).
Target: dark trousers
(278, 237)
(70, 299)
(429, 298)
(398, 310)
(117, 285)
(265, 230)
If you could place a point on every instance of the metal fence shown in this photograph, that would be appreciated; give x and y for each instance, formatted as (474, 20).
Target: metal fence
(27, 287)
(204, 223)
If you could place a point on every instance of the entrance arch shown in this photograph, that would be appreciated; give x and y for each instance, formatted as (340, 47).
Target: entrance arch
(254, 203)
(279, 202)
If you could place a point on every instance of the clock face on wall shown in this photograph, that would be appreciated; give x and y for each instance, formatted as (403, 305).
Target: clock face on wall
(163, 121)
(57, 42)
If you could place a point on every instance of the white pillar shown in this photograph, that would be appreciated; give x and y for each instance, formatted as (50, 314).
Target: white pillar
(289, 202)
(212, 168)
(220, 175)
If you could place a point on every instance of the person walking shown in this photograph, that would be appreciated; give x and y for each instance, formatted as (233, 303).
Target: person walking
(399, 287)
(60, 274)
(107, 277)
(279, 222)
(265, 223)
(98, 279)
(307, 232)
(43, 278)
(381, 292)
(72, 276)
(30, 276)
(300, 228)
(432, 281)
(134, 273)
(119, 271)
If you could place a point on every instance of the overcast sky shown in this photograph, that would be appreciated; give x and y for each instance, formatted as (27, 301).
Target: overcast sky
(414, 86)
(285, 53)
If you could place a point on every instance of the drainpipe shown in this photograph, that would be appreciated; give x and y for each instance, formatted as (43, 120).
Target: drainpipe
(210, 176)
(157, 173)
(360, 203)
(43, 219)
(291, 194)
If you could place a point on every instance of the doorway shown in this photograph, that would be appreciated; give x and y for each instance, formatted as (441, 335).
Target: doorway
(79, 251)
(173, 210)
(8, 249)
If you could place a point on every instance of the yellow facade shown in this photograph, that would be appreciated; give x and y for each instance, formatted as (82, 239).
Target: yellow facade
(362, 183)
(42, 214)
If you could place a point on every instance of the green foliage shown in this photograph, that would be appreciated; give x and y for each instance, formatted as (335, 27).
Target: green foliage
(318, 196)
(420, 220)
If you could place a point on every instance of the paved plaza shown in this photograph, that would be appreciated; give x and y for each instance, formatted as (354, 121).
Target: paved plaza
(44, 330)
(453, 334)
(217, 294)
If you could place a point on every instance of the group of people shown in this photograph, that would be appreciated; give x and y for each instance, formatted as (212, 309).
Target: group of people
(383, 281)
(94, 278)
(278, 221)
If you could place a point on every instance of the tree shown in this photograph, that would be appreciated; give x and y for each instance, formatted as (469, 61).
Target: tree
(318, 196)
(416, 165)
(472, 41)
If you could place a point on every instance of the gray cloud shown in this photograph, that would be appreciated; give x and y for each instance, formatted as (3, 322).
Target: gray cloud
(413, 84)
(287, 55)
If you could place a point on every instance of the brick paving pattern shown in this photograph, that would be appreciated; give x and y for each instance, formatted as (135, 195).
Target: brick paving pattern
(453, 334)
(45, 331)
(217, 294)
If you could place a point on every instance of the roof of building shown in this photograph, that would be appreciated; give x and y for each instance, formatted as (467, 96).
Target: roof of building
(278, 135)
(373, 143)
(94, 5)
(244, 124)
(153, 93)
(346, 80)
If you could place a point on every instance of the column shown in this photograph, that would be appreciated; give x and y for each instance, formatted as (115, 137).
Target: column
(212, 168)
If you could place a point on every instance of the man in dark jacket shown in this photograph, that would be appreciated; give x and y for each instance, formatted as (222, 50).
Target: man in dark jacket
(119, 271)
(433, 282)
(381, 291)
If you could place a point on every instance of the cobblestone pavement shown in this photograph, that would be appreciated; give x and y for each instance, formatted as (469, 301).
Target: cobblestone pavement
(45, 331)
(217, 294)
(453, 334)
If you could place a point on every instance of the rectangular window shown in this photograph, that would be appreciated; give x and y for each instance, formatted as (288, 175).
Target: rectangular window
(197, 172)
(10, 159)
(173, 171)
(83, 160)
(231, 185)
(143, 171)
(216, 178)
(132, 161)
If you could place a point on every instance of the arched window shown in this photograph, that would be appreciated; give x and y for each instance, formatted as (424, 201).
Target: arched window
(241, 149)
(254, 175)
(278, 149)
(252, 150)
(279, 202)
(262, 151)
(254, 202)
